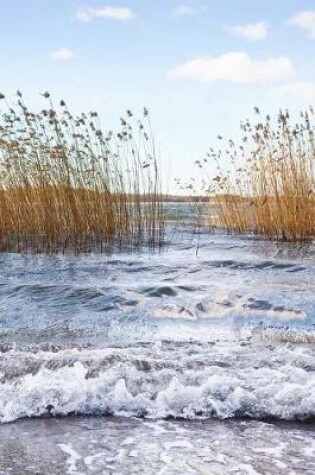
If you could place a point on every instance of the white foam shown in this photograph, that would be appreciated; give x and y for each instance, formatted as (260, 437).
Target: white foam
(200, 381)
(73, 458)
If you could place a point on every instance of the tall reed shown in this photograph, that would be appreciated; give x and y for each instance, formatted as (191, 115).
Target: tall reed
(67, 184)
(266, 184)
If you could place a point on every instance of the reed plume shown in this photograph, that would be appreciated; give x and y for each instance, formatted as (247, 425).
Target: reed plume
(266, 184)
(65, 183)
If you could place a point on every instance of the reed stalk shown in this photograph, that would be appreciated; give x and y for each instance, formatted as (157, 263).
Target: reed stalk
(65, 184)
(266, 185)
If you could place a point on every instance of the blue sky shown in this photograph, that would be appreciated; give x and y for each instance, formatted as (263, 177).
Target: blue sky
(199, 66)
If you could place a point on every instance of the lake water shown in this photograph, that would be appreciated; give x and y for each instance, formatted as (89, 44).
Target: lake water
(199, 359)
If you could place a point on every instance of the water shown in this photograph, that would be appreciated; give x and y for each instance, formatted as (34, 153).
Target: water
(199, 359)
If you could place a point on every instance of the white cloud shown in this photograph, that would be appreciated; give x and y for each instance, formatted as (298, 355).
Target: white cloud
(62, 54)
(252, 31)
(113, 13)
(306, 21)
(187, 10)
(183, 10)
(302, 90)
(235, 67)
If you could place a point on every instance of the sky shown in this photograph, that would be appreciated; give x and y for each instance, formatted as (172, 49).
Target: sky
(199, 66)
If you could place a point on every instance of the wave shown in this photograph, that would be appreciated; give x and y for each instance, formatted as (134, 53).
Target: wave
(162, 380)
(255, 265)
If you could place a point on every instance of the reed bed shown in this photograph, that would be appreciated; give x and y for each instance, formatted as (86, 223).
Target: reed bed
(266, 184)
(66, 184)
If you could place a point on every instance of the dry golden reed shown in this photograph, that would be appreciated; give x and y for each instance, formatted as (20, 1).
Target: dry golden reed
(266, 185)
(67, 184)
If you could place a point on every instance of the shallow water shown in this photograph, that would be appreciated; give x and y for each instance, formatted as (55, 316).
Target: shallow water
(129, 446)
(208, 344)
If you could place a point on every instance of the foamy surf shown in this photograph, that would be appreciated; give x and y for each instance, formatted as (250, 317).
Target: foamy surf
(189, 380)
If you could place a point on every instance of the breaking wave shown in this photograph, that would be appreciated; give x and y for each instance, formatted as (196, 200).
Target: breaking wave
(168, 379)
